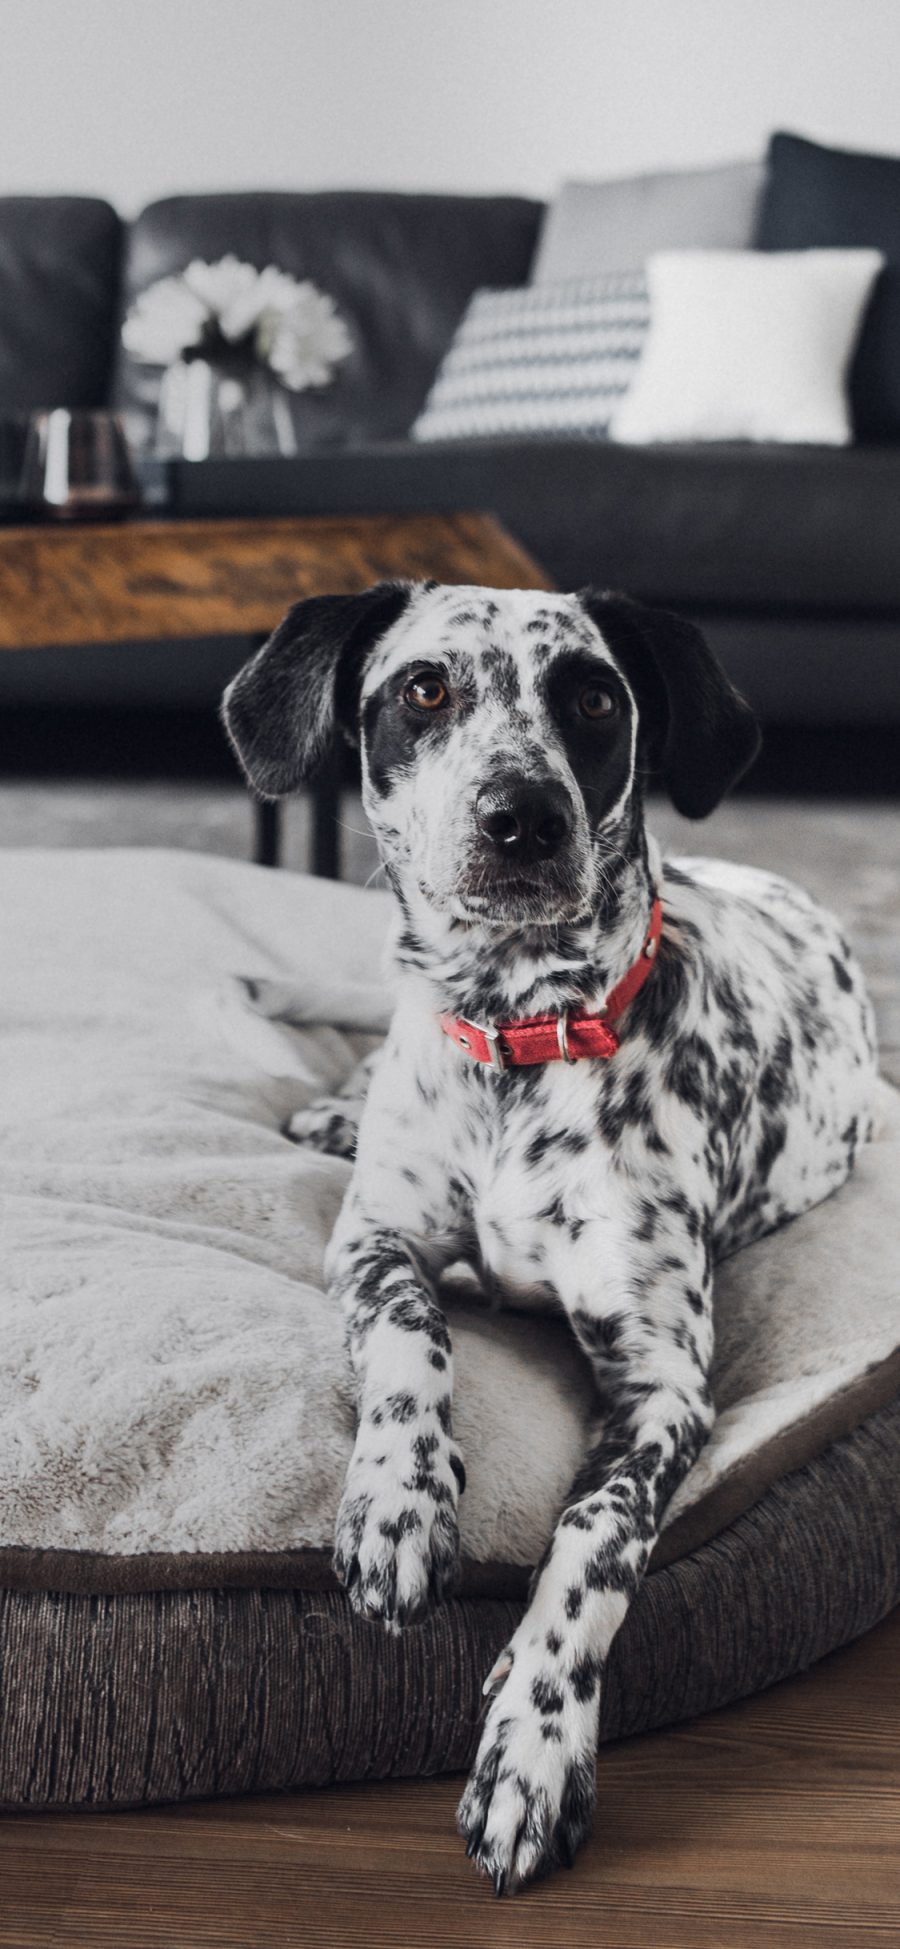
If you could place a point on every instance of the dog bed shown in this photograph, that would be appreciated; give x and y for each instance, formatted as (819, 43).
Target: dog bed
(175, 1418)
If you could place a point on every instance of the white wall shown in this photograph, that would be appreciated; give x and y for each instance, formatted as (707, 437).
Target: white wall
(132, 99)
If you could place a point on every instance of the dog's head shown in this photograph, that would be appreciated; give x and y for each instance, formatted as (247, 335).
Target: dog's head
(503, 733)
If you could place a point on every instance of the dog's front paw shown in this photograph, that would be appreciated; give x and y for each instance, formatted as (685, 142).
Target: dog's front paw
(396, 1538)
(328, 1125)
(529, 1801)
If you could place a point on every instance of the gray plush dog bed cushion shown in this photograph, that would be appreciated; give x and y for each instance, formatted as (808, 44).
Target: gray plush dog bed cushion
(175, 1413)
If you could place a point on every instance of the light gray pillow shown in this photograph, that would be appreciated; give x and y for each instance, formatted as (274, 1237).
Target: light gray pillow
(594, 228)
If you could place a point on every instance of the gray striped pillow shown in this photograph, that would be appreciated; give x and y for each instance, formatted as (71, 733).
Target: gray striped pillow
(543, 359)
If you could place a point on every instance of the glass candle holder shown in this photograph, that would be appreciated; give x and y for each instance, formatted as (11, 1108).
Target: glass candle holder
(77, 467)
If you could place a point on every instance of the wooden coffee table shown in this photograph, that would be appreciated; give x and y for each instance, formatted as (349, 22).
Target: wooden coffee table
(158, 580)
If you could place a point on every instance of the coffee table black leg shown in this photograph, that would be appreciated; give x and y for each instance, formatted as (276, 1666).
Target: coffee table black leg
(267, 832)
(325, 840)
(325, 809)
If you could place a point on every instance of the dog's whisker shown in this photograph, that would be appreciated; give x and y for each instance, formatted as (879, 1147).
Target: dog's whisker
(360, 832)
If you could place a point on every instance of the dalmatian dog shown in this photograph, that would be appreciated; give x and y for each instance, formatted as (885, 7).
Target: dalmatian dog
(604, 1074)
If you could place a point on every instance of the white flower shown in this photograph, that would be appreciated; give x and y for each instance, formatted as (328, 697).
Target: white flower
(270, 290)
(220, 286)
(172, 316)
(165, 321)
(304, 342)
(295, 329)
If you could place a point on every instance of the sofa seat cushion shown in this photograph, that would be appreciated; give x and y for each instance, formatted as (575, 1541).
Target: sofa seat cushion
(730, 528)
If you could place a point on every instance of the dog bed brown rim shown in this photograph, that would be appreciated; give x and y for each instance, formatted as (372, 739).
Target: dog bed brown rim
(136, 1699)
(90, 1573)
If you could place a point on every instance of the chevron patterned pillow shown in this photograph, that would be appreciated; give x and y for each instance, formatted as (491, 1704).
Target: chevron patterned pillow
(543, 359)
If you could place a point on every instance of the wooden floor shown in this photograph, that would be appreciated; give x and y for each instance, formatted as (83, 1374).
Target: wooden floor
(774, 1824)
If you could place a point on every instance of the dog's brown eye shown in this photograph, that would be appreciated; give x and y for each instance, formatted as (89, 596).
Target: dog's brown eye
(595, 702)
(426, 692)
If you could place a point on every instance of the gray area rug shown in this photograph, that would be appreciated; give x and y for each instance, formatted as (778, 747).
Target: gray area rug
(846, 852)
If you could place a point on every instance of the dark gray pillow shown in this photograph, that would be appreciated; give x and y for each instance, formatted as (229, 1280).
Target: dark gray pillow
(817, 197)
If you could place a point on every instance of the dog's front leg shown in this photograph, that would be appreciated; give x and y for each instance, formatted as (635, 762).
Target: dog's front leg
(396, 1539)
(529, 1800)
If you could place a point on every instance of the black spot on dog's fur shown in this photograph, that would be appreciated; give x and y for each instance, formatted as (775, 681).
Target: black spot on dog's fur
(546, 1696)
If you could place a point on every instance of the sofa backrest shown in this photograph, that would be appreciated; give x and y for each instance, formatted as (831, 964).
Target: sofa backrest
(400, 268)
(59, 260)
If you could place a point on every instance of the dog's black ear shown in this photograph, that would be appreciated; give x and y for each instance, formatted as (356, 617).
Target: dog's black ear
(283, 708)
(698, 730)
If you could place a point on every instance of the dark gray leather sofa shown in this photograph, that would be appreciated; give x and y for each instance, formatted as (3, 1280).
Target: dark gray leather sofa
(789, 555)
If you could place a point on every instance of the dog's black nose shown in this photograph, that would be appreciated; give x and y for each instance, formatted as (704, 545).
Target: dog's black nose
(523, 820)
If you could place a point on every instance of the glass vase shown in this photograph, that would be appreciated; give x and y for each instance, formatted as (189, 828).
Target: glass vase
(212, 411)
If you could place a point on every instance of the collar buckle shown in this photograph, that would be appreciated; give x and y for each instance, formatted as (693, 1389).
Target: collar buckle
(496, 1051)
(496, 1054)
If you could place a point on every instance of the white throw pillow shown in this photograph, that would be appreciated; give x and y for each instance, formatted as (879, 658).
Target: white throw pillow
(748, 345)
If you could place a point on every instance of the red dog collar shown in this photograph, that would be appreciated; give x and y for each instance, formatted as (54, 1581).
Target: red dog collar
(557, 1038)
